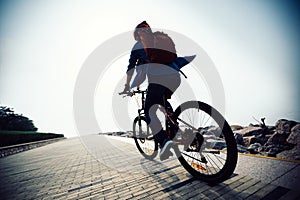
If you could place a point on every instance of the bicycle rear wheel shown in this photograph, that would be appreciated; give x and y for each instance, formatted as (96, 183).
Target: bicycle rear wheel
(207, 148)
(143, 138)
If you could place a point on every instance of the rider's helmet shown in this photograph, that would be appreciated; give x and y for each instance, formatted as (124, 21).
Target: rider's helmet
(143, 26)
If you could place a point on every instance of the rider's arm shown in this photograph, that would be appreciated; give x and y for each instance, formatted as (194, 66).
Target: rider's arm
(128, 79)
(133, 61)
(137, 57)
(130, 68)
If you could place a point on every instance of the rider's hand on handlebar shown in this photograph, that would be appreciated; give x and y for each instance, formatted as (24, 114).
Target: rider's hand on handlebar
(126, 90)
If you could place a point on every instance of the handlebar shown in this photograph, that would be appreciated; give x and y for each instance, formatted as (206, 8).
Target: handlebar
(133, 92)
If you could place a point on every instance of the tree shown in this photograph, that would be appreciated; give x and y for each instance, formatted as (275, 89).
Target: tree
(11, 121)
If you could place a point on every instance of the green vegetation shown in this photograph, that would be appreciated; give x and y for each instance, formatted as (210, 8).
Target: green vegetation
(12, 121)
(18, 129)
(20, 132)
(8, 138)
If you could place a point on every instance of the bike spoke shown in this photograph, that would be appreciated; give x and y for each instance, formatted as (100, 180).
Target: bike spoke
(219, 158)
(144, 139)
(188, 125)
(191, 157)
(212, 162)
(204, 154)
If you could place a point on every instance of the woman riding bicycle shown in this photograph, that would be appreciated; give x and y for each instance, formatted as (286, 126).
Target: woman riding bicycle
(163, 81)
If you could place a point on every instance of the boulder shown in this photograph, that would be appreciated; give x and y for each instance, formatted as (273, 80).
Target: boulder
(254, 125)
(262, 139)
(273, 151)
(276, 139)
(284, 126)
(282, 140)
(276, 144)
(253, 148)
(294, 137)
(250, 140)
(249, 131)
(239, 139)
(236, 127)
(271, 129)
(256, 139)
(218, 144)
(247, 140)
(293, 154)
(216, 131)
(242, 149)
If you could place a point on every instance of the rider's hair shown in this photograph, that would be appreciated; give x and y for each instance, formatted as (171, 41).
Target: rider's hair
(143, 26)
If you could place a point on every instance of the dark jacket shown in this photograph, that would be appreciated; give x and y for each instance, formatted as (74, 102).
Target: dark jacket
(137, 57)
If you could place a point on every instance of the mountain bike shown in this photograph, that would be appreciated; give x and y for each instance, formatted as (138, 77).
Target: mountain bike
(204, 142)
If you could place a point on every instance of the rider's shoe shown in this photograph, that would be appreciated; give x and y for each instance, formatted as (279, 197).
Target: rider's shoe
(165, 152)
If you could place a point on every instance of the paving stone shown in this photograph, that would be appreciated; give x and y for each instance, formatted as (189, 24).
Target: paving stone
(291, 195)
(66, 170)
(262, 192)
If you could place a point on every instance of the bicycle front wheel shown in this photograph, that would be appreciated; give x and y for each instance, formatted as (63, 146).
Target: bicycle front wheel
(207, 148)
(143, 138)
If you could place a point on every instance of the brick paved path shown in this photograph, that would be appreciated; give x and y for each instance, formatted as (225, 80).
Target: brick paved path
(113, 169)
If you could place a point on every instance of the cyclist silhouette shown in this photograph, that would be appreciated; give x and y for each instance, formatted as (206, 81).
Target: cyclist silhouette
(196, 127)
(163, 81)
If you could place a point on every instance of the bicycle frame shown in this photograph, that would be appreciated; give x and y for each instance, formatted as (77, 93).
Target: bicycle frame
(143, 92)
(194, 143)
(168, 118)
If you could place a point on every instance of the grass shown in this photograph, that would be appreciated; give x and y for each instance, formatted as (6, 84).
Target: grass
(21, 132)
(8, 138)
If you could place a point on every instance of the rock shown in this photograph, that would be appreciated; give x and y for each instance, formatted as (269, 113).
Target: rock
(271, 129)
(254, 125)
(216, 144)
(249, 131)
(294, 137)
(236, 127)
(272, 152)
(277, 143)
(270, 140)
(250, 140)
(216, 131)
(247, 140)
(256, 139)
(293, 154)
(276, 139)
(242, 149)
(239, 139)
(253, 148)
(262, 139)
(284, 126)
(262, 149)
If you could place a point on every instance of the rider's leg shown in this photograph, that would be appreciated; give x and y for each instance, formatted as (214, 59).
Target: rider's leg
(154, 98)
(169, 107)
(158, 86)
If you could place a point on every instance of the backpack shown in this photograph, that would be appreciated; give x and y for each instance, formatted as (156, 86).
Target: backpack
(161, 48)
(164, 51)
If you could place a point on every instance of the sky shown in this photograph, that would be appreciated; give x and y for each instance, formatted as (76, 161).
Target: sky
(254, 46)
